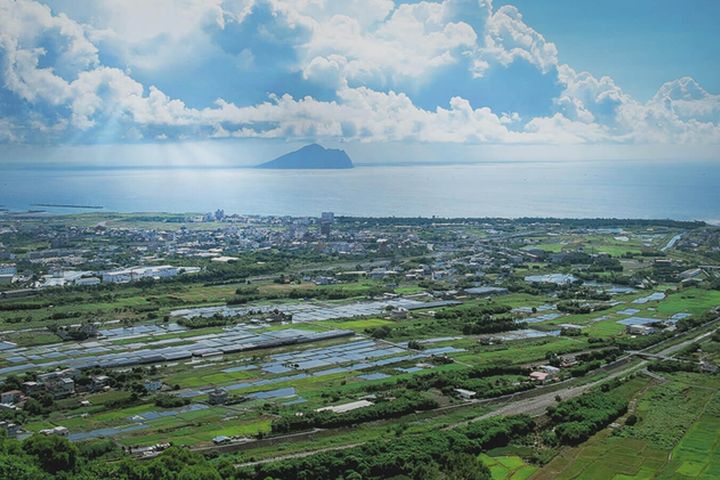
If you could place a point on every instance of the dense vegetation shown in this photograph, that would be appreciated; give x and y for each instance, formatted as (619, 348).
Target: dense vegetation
(487, 382)
(577, 419)
(327, 419)
(479, 319)
(447, 454)
(442, 455)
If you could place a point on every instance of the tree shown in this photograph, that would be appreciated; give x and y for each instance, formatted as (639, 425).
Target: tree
(461, 466)
(54, 453)
(33, 407)
(12, 467)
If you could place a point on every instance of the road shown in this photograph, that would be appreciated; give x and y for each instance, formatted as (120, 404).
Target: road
(299, 455)
(672, 242)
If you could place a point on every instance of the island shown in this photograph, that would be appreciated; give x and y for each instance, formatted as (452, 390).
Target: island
(312, 156)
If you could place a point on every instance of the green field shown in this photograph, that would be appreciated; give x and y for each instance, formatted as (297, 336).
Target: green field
(508, 467)
(677, 436)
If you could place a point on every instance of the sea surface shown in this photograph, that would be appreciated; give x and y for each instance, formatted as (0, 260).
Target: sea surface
(679, 190)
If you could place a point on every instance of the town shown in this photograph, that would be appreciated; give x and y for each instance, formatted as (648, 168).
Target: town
(260, 343)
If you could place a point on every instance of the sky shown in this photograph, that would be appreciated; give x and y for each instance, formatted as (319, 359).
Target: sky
(481, 78)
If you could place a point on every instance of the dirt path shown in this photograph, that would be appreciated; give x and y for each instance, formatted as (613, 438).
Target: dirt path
(290, 456)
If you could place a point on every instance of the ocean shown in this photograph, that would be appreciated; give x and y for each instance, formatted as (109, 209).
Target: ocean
(677, 190)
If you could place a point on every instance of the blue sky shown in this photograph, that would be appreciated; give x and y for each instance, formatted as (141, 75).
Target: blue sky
(639, 43)
(361, 73)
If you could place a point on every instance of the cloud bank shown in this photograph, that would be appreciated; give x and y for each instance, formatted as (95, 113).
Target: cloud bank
(457, 71)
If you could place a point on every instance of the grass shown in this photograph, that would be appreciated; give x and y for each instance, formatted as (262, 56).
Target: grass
(668, 410)
(677, 437)
(24, 339)
(692, 300)
(532, 350)
(359, 325)
(201, 430)
(508, 467)
(606, 455)
(697, 455)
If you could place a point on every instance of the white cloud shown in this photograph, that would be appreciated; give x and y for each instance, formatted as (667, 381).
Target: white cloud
(27, 26)
(327, 71)
(369, 53)
(361, 114)
(149, 35)
(558, 129)
(688, 100)
(508, 38)
(395, 49)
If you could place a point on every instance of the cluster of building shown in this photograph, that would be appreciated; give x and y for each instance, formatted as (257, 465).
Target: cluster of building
(59, 384)
(125, 275)
(7, 273)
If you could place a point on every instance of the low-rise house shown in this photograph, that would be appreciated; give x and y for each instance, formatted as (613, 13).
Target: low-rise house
(219, 396)
(640, 330)
(486, 291)
(570, 329)
(11, 429)
(381, 273)
(221, 439)
(399, 313)
(59, 430)
(98, 382)
(7, 273)
(44, 378)
(153, 385)
(73, 373)
(31, 387)
(87, 281)
(61, 387)
(707, 367)
(8, 269)
(440, 274)
(346, 407)
(465, 394)
(568, 361)
(692, 273)
(539, 377)
(118, 276)
(11, 397)
(550, 370)
(80, 332)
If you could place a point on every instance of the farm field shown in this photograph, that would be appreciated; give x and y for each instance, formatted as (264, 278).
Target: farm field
(275, 354)
(676, 437)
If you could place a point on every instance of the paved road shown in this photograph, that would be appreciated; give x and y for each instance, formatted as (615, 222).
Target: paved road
(672, 242)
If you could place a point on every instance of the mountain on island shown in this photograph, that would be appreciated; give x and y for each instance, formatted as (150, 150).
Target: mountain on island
(312, 156)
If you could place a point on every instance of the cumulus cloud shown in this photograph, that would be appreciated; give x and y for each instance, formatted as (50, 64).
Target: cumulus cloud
(71, 74)
(361, 114)
(688, 100)
(395, 49)
(148, 35)
(508, 38)
(30, 33)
